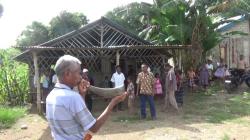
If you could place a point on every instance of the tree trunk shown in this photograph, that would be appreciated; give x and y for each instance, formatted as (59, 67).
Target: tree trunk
(196, 48)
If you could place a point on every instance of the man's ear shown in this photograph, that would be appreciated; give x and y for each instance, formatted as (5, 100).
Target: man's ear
(67, 73)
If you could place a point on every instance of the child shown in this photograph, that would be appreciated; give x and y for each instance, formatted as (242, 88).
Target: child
(191, 76)
(178, 78)
(158, 86)
(131, 95)
(106, 82)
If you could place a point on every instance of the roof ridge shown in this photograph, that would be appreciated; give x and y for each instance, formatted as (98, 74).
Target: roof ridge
(102, 19)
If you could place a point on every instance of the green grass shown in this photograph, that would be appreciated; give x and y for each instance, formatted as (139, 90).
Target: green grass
(225, 137)
(217, 108)
(8, 116)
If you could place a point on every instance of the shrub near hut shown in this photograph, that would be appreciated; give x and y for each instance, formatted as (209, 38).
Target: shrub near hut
(14, 79)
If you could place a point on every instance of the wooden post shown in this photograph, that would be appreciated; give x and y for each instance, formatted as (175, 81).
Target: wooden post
(37, 81)
(180, 59)
(117, 58)
(125, 69)
(163, 60)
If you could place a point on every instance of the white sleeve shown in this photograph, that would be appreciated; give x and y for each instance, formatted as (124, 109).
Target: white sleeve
(170, 76)
(54, 79)
(123, 77)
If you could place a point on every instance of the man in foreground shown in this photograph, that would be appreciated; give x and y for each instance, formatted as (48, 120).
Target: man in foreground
(67, 114)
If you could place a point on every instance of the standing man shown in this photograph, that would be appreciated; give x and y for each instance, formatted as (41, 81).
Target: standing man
(88, 97)
(210, 68)
(146, 90)
(67, 114)
(117, 80)
(171, 87)
(45, 87)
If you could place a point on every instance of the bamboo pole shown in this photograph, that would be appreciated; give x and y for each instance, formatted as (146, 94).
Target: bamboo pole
(38, 89)
(117, 58)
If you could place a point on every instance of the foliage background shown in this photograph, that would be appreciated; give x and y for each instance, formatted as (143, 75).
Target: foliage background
(14, 84)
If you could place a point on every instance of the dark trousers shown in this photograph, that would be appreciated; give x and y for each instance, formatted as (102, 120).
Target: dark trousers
(150, 99)
(89, 101)
(44, 96)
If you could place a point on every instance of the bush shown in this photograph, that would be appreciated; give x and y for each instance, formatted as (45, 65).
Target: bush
(14, 85)
(8, 116)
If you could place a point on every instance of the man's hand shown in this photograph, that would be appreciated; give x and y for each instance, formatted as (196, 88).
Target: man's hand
(119, 98)
(83, 87)
(104, 116)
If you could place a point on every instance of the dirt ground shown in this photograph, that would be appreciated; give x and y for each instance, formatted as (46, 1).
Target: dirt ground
(121, 126)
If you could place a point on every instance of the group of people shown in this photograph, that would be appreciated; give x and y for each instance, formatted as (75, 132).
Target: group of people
(67, 106)
(206, 73)
(148, 86)
(67, 109)
(209, 71)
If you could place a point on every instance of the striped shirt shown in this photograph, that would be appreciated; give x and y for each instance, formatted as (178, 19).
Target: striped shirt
(67, 114)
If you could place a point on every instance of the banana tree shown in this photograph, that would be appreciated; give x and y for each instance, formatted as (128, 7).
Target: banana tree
(183, 22)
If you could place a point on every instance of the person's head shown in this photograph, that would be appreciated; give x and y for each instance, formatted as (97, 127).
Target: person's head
(118, 69)
(68, 70)
(209, 61)
(129, 79)
(157, 75)
(179, 72)
(226, 66)
(144, 67)
(85, 71)
(168, 67)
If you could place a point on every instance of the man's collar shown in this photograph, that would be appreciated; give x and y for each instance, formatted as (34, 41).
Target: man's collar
(145, 72)
(118, 73)
(60, 85)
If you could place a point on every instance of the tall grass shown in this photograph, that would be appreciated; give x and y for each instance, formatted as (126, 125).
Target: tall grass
(14, 83)
(8, 116)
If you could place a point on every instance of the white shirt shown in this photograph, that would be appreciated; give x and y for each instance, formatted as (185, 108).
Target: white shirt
(210, 66)
(67, 114)
(118, 79)
(45, 81)
(54, 79)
